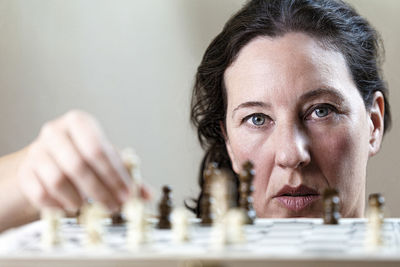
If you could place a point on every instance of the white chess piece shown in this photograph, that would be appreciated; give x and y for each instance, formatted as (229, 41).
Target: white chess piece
(219, 206)
(137, 226)
(134, 208)
(219, 235)
(51, 218)
(374, 230)
(220, 195)
(234, 223)
(180, 225)
(132, 163)
(92, 217)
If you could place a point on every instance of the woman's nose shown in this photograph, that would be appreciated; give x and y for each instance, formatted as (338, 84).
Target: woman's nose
(291, 145)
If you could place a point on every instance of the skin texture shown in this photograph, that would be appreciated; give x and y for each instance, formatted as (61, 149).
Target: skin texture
(295, 112)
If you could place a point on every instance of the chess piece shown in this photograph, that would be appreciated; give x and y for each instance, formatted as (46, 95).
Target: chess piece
(375, 220)
(376, 203)
(51, 218)
(331, 206)
(136, 223)
(220, 196)
(132, 163)
(246, 189)
(134, 208)
(206, 214)
(165, 208)
(92, 215)
(180, 225)
(219, 236)
(229, 229)
(234, 222)
(117, 219)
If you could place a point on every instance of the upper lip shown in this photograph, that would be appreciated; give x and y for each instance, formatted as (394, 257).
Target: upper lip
(300, 190)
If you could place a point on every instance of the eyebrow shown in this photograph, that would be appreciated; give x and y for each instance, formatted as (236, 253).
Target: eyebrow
(251, 104)
(322, 92)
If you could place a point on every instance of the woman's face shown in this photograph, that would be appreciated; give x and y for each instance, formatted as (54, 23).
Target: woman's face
(294, 111)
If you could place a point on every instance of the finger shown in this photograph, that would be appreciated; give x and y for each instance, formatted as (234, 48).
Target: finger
(56, 182)
(34, 190)
(145, 192)
(99, 154)
(61, 148)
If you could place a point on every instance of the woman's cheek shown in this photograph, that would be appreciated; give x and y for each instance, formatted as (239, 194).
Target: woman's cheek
(340, 166)
(256, 149)
(260, 184)
(247, 144)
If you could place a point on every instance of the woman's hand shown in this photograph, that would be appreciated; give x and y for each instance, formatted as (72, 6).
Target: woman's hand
(72, 160)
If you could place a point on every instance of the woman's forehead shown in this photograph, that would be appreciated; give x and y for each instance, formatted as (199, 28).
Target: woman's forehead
(291, 64)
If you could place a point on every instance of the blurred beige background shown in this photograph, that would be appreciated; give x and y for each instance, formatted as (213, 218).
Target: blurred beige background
(131, 64)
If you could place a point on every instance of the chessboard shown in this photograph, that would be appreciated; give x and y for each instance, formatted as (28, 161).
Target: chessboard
(271, 242)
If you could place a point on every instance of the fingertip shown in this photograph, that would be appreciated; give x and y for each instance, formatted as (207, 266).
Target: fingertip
(123, 195)
(146, 193)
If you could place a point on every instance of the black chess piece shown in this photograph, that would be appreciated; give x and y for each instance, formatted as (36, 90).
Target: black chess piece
(117, 219)
(246, 189)
(376, 200)
(165, 208)
(331, 206)
(206, 200)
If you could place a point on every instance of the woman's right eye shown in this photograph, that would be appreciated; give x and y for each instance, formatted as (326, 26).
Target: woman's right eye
(256, 120)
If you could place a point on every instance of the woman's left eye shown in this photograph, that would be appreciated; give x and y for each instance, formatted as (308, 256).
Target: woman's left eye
(321, 111)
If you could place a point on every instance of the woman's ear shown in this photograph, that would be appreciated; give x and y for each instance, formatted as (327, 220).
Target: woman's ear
(229, 148)
(376, 118)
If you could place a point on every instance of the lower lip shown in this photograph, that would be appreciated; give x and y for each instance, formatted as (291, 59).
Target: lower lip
(297, 203)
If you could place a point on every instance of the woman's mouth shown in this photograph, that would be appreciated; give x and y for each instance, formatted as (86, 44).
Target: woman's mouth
(296, 198)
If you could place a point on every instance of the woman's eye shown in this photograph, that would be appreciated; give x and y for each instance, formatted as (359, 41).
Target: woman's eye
(257, 120)
(321, 111)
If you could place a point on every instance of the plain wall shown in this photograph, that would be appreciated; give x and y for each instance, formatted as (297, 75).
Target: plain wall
(132, 65)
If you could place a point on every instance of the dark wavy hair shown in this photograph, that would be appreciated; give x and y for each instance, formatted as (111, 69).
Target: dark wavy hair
(332, 22)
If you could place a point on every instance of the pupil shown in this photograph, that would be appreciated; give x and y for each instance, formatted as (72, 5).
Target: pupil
(322, 112)
(257, 120)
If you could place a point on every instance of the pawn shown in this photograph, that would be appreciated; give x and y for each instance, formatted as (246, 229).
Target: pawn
(180, 225)
(165, 208)
(117, 219)
(331, 206)
(51, 218)
(206, 200)
(376, 202)
(136, 225)
(235, 220)
(246, 189)
(375, 220)
(92, 216)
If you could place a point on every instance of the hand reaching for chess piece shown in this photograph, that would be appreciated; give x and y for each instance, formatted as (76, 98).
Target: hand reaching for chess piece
(69, 161)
